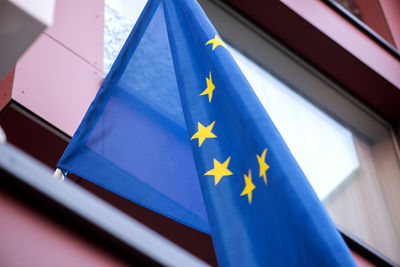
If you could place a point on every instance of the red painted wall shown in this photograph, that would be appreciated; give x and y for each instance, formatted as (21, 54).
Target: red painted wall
(372, 14)
(60, 73)
(391, 10)
(5, 88)
(29, 238)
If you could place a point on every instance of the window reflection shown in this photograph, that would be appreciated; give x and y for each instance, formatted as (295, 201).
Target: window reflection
(119, 18)
(306, 130)
(373, 13)
(350, 6)
(358, 182)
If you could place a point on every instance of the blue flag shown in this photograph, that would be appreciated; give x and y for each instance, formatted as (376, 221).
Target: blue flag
(176, 115)
(133, 139)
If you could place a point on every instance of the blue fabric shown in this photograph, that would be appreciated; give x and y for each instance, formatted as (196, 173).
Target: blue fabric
(138, 139)
(133, 139)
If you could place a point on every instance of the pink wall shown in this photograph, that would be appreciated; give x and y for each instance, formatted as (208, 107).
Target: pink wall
(79, 26)
(349, 37)
(361, 262)
(391, 10)
(29, 238)
(6, 83)
(372, 15)
(61, 72)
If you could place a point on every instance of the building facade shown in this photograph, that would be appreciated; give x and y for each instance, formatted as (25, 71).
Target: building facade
(327, 72)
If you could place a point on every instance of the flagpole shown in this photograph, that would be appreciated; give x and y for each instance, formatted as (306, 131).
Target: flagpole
(59, 175)
(3, 138)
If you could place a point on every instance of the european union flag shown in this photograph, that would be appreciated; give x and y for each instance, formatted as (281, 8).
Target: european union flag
(261, 210)
(133, 139)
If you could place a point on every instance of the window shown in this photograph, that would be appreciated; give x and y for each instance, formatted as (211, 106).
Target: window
(376, 18)
(371, 12)
(119, 18)
(348, 153)
(321, 146)
(348, 172)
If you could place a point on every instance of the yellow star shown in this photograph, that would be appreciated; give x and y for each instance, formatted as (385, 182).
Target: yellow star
(203, 132)
(219, 170)
(263, 166)
(210, 88)
(249, 187)
(216, 42)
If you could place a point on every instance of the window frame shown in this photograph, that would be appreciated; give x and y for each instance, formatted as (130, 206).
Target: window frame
(297, 73)
(309, 81)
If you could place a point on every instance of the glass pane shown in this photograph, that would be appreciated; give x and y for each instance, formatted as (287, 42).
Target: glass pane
(371, 13)
(119, 18)
(358, 182)
(305, 129)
